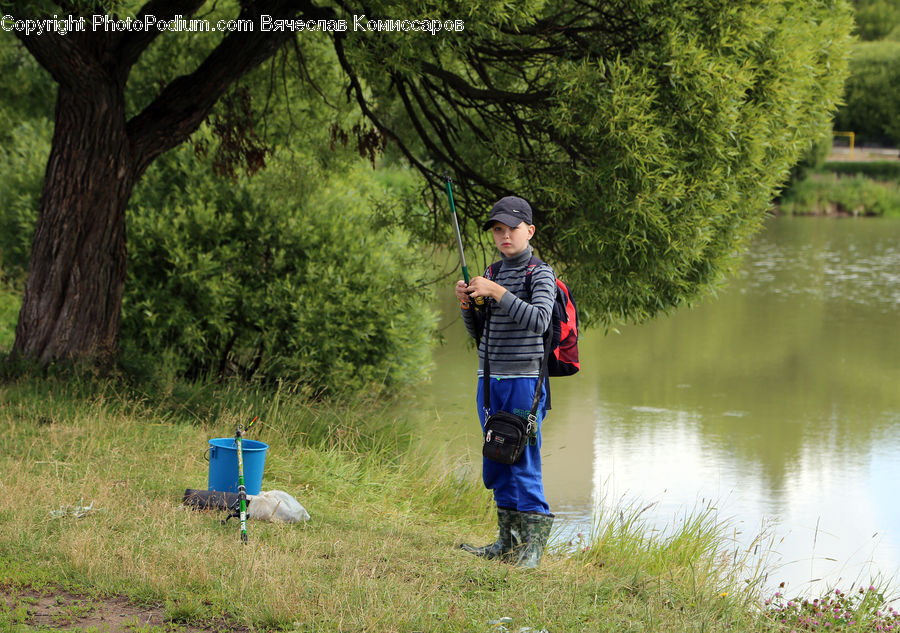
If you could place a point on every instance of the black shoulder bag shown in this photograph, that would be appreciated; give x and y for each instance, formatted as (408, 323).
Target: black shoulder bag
(506, 434)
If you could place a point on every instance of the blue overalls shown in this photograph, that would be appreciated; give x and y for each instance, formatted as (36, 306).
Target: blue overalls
(516, 486)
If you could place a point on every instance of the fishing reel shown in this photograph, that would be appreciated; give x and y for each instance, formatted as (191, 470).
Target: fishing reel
(476, 302)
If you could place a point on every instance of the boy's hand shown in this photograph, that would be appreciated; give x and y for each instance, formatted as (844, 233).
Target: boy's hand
(482, 287)
(462, 294)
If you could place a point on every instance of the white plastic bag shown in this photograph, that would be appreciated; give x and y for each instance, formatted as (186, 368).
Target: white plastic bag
(276, 505)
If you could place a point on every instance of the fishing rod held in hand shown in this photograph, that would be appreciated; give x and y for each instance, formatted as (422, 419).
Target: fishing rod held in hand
(462, 255)
(242, 491)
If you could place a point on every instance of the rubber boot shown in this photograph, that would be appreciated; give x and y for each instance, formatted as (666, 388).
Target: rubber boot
(535, 532)
(508, 538)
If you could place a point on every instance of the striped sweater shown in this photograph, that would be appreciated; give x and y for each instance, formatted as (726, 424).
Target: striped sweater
(517, 325)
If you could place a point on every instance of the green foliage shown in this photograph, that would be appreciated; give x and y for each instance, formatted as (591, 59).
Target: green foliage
(24, 155)
(237, 277)
(697, 130)
(812, 160)
(10, 301)
(872, 102)
(658, 145)
(24, 146)
(28, 90)
(253, 278)
(283, 276)
(650, 137)
(876, 19)
(830, 194)
(49, 8)
(875, 169)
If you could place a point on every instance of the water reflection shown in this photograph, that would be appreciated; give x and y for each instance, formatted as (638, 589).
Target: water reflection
(779, 402)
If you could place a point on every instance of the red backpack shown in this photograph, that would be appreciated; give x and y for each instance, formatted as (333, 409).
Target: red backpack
(564, 323)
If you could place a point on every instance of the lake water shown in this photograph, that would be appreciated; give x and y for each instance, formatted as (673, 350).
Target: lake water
(777, 402)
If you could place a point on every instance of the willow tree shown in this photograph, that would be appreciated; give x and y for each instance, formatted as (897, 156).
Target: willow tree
(649, 134)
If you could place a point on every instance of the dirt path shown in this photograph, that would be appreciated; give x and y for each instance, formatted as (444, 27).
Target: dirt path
(65, 611)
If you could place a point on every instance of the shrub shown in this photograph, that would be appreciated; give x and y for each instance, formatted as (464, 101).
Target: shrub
(27, 108)
(10, 301)
(875, 19)
(812, 160)
(254, 279)
(872, 101)
(876, 169)
(24, 157)
(830, 194)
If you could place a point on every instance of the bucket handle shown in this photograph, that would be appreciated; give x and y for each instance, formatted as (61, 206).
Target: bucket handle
(210, 452)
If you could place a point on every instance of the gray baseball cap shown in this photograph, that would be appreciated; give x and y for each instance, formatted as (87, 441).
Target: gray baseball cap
(511, 211)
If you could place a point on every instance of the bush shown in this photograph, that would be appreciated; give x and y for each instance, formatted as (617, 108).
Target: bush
(830, 194)
(872, 101)
(10, 301)
(812, 160)
(875, 19)
(876, 169)
(24, 156)
(253, 279)
(27, 109)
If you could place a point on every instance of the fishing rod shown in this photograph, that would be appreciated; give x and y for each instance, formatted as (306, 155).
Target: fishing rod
(242, 491)
(462, 255)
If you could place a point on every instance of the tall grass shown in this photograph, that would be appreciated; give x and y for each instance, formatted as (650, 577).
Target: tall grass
(379, 554)
(690, 564)
(834, 194)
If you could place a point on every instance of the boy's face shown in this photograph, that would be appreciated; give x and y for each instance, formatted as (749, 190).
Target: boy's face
(512, 240)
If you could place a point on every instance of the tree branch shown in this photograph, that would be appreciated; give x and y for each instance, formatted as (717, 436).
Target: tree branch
(186, 101)
(481, 94)
(69, 58)
(132, 44)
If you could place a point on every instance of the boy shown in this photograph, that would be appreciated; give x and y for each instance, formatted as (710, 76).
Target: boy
(517, 324)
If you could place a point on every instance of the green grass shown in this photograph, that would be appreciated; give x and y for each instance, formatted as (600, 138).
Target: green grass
(380, 553)
(833, 194)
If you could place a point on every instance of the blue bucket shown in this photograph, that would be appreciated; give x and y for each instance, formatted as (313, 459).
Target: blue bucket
(223, 464)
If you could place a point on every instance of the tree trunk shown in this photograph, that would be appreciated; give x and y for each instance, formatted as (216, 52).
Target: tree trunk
(73, 294)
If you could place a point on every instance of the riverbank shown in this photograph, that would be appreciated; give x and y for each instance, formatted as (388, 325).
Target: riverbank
(379, 553)
(861, 182)
(845, 189)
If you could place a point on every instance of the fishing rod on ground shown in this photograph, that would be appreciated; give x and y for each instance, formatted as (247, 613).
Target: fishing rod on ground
(242, 491)
(479, 301)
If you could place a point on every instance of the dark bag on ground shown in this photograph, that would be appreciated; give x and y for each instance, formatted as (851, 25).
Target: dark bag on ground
(212, 500)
